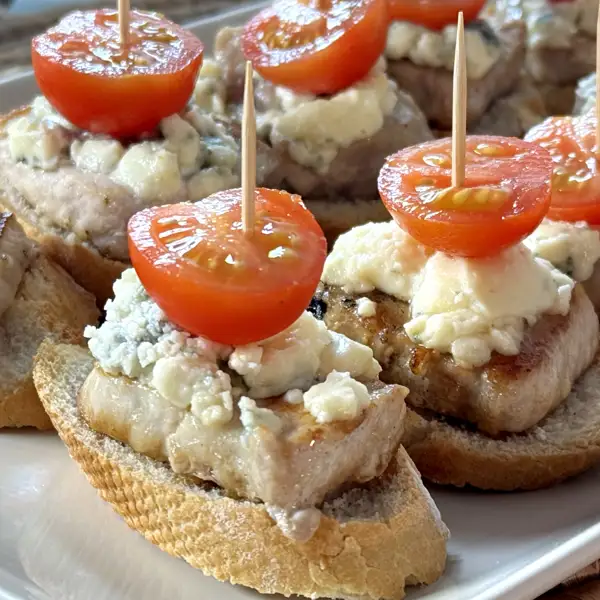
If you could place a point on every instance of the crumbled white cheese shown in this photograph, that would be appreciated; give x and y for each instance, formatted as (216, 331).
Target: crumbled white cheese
(344, 354)
(254, 417)
(573, 248)
(549, 24)
(210, 91)
(183, 139)
(150, 171)
(196, 157)
(314, 129)
(366, 308)
(193, 382)
(137, 340)
(37, 144)
(585, 95)
(436, 48)
(288, 360)
(97, 156)
(473, 307)
(376, 256)
(338, 398)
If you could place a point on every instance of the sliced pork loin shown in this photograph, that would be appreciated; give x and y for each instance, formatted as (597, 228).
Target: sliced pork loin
(290, 467)
(353, 172)
(561, 66)
(509, 394)
(431, 87)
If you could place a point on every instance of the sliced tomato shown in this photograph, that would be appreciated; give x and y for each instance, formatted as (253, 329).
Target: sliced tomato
(317, 46)
(571, 142)
(504, 198)
(434, 14)
(212, 280)
(101, 86)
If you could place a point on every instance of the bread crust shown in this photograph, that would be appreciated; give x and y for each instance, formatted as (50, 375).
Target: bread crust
(564, 444)
(48, 304)
(372, 541)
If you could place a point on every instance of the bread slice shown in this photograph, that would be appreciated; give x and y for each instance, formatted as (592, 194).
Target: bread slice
(373, 540)
(48, 304)
(564, 444)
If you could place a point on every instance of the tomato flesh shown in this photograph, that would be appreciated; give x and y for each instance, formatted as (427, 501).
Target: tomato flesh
(105, 88)
(505, 196)
(317, 46)
(571, 142)
(434, 14)
(212, 280)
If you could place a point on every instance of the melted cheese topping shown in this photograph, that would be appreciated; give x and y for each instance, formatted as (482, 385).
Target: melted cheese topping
(573, 248)
(464, 307)
(436, 48)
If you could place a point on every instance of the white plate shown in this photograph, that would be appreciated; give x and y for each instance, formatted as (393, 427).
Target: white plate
(59, 541)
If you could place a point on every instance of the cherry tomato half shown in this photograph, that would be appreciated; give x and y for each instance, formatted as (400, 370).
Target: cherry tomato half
(101, 86)
(434, 14)
(571, 142)
(317, 46)
(505, 196)
(212, 280)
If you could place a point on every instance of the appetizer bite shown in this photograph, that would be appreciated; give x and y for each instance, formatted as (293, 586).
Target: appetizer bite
(75, 167)
(560, 43)
(324, 102)
(258, 445)
(569, 236)
(38, 300)
(224, 398)
(420, 54)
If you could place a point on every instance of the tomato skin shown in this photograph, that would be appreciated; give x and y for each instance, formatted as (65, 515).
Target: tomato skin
(222, 303)
(80, 68)
(469, 233)
(571, 142)
(434, 14)
(327, 63)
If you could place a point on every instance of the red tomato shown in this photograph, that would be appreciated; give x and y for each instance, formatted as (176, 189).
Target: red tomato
(100, 86)
(434, 14)
(213, 281)
(571, 142)
(317, 46)
(505, 196)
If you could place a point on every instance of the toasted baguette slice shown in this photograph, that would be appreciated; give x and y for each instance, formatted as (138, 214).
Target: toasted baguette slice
(372, 542)
(48, 304)
(564, 444)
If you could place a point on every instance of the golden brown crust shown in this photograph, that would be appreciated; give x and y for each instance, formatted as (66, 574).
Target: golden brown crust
(48, 304)
(372, 540)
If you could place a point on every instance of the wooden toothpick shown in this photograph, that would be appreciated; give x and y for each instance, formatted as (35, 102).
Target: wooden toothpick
(123, 7)
(459, 106)
(598, 84)
(248, 154)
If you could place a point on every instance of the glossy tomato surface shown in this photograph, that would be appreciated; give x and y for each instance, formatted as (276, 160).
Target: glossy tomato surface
(571, 141)
(434, 14)
(505, 195)
(212, 280)
(101, 86)
(317, 46)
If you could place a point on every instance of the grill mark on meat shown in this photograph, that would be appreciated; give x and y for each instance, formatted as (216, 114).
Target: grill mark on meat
(509, 394)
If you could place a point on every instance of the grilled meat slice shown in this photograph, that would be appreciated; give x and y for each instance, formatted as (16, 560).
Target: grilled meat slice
(432, 87)
(509, 394)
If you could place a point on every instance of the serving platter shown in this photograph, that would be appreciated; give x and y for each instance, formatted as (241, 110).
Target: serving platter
(59, 541)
